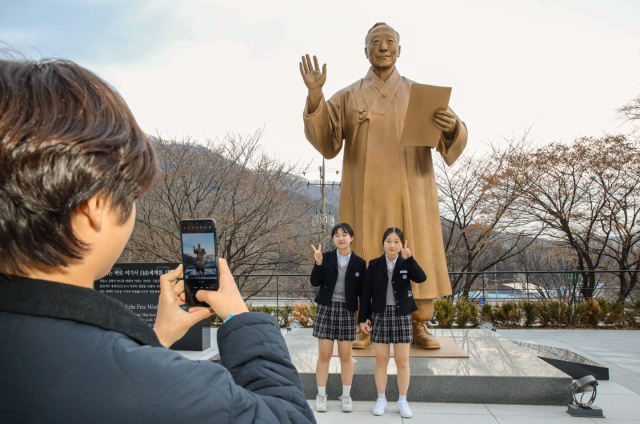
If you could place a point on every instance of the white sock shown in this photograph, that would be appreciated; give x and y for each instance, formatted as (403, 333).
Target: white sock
(381, 396)
(402, 398)
(322, 390)
(346, 390)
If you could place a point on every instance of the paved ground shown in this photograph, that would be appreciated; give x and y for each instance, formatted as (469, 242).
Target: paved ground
(618, 350)
(619, 397)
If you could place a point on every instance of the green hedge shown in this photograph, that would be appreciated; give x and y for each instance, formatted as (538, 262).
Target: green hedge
(592, 313)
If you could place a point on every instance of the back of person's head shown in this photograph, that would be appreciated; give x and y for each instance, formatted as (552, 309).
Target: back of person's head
(65, 136)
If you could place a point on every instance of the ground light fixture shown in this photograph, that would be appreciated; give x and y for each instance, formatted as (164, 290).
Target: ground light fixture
(581, 407)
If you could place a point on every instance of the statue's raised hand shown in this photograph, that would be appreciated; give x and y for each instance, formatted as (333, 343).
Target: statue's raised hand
(313, 78)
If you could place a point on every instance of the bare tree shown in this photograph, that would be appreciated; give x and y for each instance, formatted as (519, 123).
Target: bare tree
(630, 112)
(619, 177)
(549, 255)
(481, 226)
(560, 186)
(262, 213)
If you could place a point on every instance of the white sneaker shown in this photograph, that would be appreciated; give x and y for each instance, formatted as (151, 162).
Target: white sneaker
(347, 404)
(381, 406)
(321, 403)
(405, 411)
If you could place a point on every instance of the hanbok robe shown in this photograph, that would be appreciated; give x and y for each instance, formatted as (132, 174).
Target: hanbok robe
(384, 184)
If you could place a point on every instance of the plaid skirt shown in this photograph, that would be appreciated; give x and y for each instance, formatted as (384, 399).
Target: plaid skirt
(335, 323)
(391, 328)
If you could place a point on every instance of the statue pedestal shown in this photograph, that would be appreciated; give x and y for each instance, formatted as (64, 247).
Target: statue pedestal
(448, 349)
(496, 371)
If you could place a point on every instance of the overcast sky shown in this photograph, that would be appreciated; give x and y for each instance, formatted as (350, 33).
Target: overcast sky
(200, 69)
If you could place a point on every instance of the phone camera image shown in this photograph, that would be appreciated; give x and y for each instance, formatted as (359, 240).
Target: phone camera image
(199, 258)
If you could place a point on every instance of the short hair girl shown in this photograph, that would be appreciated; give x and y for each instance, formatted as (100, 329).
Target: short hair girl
(339, 274)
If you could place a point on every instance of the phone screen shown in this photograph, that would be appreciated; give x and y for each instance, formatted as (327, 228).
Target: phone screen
(199, 257)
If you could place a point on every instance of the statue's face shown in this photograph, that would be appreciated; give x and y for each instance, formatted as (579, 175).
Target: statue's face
(382, 48)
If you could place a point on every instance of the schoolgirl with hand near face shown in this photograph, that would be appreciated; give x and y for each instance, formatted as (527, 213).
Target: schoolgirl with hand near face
(386, 305)
(339, 275)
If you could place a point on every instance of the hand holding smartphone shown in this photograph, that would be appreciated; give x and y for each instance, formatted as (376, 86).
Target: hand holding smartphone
(199, 258)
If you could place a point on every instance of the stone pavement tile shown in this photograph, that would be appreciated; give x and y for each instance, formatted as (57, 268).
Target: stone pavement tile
(507, 419)
(336, 417)
(449, 408)
(358, 406)
(450, 419)
(611, 388)
(529, 410)
(608, 421)
(619, 407)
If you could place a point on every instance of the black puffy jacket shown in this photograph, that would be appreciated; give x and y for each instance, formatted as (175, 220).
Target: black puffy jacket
(73, 355)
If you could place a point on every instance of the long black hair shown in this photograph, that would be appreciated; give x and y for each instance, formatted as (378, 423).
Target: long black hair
(392, 230)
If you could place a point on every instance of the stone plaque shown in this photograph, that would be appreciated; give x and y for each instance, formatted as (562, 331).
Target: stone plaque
(137, 285)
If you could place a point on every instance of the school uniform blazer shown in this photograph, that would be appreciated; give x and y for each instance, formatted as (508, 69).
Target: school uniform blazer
(374, 290)
(326, 274)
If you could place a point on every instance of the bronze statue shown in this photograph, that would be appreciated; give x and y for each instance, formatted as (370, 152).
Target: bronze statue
(383, 184)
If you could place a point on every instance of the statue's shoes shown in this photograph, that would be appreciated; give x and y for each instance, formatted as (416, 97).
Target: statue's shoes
(422, 337)
(362, 341)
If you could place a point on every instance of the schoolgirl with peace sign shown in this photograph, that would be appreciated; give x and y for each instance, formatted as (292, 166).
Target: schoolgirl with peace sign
(386, 305)
(339, 274)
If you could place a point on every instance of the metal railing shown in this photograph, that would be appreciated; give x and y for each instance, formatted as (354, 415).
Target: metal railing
(487, 287)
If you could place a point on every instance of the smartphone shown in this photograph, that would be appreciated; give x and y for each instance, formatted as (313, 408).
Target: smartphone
(199, 258)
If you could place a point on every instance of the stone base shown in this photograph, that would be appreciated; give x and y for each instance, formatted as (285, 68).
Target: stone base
(448, 349)
(497, 371)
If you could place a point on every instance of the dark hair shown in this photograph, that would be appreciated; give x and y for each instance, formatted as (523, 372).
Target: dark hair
(65, 136)
(377, 25)
(392, 230)
(345, 227)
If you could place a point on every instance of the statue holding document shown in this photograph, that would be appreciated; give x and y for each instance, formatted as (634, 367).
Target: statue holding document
(387, 175)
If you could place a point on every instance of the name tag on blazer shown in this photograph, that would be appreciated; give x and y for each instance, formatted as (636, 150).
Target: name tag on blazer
(403, 271)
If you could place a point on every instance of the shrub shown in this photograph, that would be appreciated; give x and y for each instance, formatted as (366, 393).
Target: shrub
(264, 308)
(301, 313)
(509, 314)
(605, 306)
(474, 314)
(465, 313)
(531, 312)
(283, 314)
(445, 312)
(553, 312)
(616, 314)
(312, 311)
(634, 310)
(487, 313)
(589, 313)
